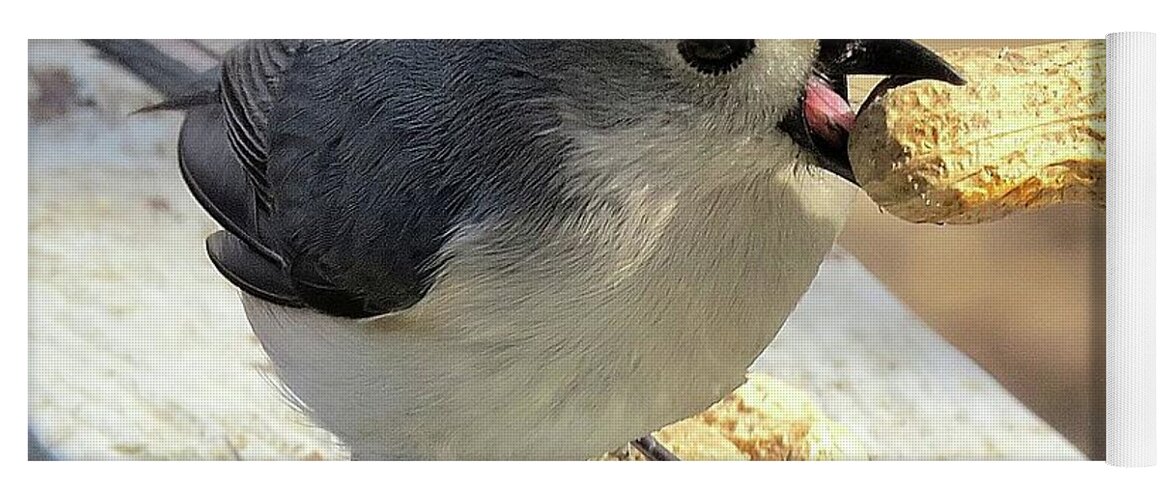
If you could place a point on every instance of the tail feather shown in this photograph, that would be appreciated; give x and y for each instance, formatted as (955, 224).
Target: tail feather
(189, 101)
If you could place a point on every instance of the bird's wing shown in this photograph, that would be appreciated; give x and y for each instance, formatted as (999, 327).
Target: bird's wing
(222, 158)
(283, 175)
(250, 84)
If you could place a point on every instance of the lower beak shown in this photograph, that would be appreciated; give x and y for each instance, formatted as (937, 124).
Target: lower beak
(822, 119)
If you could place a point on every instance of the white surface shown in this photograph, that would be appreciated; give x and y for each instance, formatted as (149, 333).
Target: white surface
(138, 349)
(1130, 249)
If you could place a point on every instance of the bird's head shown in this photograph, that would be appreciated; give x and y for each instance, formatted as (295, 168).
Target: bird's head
(694, 107)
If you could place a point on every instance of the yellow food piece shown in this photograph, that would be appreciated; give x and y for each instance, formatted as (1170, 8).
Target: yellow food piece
(763, 419)
(1028, 130)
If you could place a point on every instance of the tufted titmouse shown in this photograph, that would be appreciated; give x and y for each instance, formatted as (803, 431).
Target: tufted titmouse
(523, 249)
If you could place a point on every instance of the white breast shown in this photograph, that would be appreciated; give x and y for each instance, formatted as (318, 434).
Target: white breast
(617, 325)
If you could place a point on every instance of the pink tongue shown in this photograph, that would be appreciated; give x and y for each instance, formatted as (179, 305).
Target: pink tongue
(828, 115)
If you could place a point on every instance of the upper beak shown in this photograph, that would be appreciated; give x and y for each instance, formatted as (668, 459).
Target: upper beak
(822, 119)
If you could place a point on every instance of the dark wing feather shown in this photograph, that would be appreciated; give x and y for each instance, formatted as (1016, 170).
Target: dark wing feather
(340, 169)
(222, 155)
(250, 271)
(281, 244)
(249, 86)
(215, 178)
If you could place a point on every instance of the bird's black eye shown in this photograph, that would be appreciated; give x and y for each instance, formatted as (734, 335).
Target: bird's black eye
(715, 57)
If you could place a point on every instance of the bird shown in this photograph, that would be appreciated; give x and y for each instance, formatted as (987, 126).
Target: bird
(523, 249)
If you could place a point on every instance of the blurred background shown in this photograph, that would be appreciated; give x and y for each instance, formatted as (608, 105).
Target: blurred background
(1024, 296)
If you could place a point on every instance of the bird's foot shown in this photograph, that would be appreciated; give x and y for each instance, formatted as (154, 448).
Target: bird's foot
(653, 450)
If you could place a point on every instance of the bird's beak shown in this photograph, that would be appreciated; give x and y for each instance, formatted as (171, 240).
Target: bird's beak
(822, 119)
